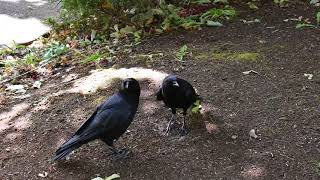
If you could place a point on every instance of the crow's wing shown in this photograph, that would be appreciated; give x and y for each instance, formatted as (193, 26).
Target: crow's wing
(86, 123)
(187, 88)
(107, 117)
(113, 101)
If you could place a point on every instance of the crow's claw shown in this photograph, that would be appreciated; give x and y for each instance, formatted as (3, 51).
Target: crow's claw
(183, 131)
(122, 154)
(168, 128)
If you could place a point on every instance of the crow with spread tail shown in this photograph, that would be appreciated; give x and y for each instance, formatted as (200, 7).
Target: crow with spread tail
(177, 93)
(108, 122)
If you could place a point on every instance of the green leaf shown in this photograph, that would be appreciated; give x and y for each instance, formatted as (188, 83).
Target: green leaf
(127, 30)
(137, 36)
(182, 52)
(252, 6)
(92, 58)
(214, 23)
(196, 106)
(318, 18)
(203, 2)
(55, 49)
(314, 1)
(31, 59)
(221, 1)
(304, 25)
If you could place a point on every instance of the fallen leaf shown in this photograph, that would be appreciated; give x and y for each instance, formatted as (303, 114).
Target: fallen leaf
(97, 178)
(211, 128)
(37, 84)
(16, 89)
(250, 72)
(113, 176)
(234, 137)
(309, 76)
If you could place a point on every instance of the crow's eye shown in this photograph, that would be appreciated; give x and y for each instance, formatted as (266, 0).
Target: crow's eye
(126, 84)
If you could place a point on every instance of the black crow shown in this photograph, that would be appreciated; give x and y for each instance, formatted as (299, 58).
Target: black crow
(177, 93)
(108, 122)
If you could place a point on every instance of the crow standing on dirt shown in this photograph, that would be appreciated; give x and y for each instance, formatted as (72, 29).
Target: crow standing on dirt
(108, 122)
(177, 93)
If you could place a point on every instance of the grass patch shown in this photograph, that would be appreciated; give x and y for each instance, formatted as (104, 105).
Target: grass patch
(229, 56)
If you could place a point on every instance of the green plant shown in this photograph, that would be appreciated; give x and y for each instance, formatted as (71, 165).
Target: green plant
(92, 58)
(252, 5)
(173, 20)
(5, 51)
(95, 58)
(303, 24)
(55, 49)
(223, 13)
(123, 32)
(31, 59)
(282, 3)
(182, 53)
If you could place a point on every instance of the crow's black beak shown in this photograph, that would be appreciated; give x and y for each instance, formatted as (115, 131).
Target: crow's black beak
(175, 83)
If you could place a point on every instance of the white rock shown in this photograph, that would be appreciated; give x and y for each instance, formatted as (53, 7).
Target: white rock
(253, 134)
(43, 175)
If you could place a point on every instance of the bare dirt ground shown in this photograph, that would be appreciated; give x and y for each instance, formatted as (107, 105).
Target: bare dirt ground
(279, 102)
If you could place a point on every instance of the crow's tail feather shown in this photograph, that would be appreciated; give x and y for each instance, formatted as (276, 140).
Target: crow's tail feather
(68, 147)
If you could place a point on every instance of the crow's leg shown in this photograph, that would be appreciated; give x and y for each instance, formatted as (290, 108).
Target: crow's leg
(118, 154)
(183, 130)
(169, 126)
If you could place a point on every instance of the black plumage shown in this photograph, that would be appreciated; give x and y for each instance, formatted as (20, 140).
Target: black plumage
(108, 122)
(177, 93)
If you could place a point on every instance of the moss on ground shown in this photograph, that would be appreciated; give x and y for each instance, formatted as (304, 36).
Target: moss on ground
(229, 56)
